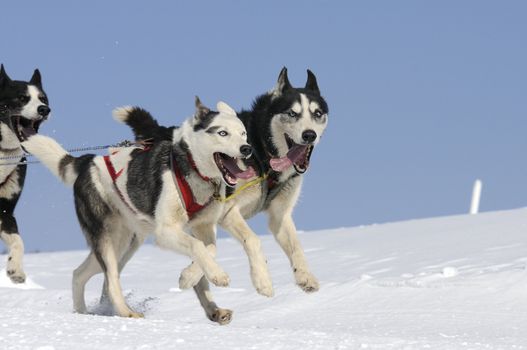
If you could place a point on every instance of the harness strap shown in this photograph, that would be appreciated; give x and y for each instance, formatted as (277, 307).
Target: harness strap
(191, 206)
(115, 175)
(193, 165)
(251, 183)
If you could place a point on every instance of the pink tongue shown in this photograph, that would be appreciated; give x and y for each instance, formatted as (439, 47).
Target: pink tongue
(281, 164)
(247, 174)
(237, 172)
(296, 152)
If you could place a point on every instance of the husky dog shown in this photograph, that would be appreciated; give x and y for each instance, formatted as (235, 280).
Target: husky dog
(23, 107)
(122, 197)
(284, 125)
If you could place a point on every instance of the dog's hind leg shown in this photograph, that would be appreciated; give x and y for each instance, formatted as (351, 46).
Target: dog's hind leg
(283, 228)
(81, 276)
(107, 257)
(236, 225)
(213, 312)
(135, 243)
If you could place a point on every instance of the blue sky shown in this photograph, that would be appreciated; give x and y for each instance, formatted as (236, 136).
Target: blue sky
(424, 97)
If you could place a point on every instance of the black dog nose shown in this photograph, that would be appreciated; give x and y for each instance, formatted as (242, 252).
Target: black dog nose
(43, 110)
(246, 150)
(309, 136)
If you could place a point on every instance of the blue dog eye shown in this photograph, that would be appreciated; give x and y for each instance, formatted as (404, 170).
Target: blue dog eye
(223, 133)
(292, 114)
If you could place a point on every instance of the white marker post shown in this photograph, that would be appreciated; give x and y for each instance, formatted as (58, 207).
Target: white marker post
(476, 195)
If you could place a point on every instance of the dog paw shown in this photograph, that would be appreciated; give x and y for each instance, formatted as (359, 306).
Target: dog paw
(190, 276)
(306, 281)
(134, 314)
(262, 283)
(221, 316)
(220, 279)
(16, 276)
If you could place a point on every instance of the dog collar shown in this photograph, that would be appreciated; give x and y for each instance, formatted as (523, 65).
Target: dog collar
(195, 168)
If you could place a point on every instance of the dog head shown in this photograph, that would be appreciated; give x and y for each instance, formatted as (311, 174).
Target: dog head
(299, 117)
(217, 141)
(27, 103)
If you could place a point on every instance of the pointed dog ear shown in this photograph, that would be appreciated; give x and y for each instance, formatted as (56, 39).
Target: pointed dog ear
(311, 83)
(4, 78)
(282, 84)
(201, 110)
(36, 79)
(225, 108)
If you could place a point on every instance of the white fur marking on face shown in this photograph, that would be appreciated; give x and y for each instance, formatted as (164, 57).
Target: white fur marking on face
(30, 110)
(297, 108)
(313, 106)
(305, 105)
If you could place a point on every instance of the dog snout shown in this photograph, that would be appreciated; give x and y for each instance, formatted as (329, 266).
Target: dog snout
(43, 111)
(309, 136)
(246, 150)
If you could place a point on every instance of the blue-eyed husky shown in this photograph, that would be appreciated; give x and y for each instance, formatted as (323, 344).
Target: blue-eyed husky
(123, 197)
(23, 107)
(284, 125)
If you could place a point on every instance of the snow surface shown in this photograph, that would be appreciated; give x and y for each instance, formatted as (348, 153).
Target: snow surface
(444, 283)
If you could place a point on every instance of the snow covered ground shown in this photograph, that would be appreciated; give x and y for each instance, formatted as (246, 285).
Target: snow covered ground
(444, 283)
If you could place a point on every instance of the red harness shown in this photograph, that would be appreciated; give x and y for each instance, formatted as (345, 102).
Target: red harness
(191, 206)
(115, 175)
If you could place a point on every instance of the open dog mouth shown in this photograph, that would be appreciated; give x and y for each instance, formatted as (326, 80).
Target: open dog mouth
(24, 128)
(230, 170)
(298, 156)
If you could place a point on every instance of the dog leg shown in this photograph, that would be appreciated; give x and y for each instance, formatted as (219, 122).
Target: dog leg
(236, 225)
(213, 312)
(81, 276)
(191, 275)
(135, 243)
(107, 256)
(283, 228)
(15, 247)
(173, 238)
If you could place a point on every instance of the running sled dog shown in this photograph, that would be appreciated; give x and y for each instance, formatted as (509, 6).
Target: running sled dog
(284, 126)
(23, 107)
(122, 197)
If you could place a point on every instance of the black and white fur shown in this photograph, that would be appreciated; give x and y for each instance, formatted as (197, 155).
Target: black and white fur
(114, 232)
(23, 107)
(280, 120)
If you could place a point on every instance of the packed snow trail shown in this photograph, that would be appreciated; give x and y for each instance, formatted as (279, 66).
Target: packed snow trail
(443, 283)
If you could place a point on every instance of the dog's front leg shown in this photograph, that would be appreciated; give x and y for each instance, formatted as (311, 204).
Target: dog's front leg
(283, 228)
(15, 246)
(236, 225)
(174, 238)
(191, 275)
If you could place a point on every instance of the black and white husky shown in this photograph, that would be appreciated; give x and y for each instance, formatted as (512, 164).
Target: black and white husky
(284, 125)
(23, 107)
(122, 197)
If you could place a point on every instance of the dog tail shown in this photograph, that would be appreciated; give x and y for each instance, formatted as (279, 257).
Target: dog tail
(55, 157)
(143, 124)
